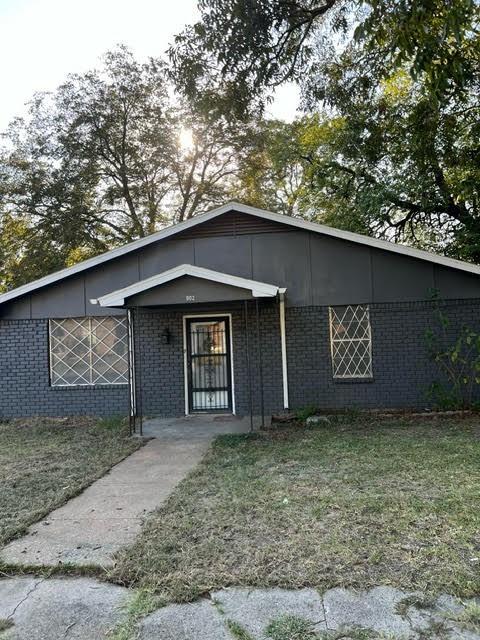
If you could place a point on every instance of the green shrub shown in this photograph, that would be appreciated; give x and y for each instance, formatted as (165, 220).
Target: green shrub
(306, 412)
(458, 360)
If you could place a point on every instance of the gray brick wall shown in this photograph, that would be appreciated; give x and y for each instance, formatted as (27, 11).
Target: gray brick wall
(401, 367)
(24, 379)
(160, 366)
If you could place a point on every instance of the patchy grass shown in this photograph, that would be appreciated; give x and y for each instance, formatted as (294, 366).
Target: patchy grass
(469, 617)
(63, 570)
(436, 630)
(140, 605)
(296, 628)
(356, 503)
(291, 628)
(355, 633)
(5, 623)
(46, 461)
(419, 601)
(237, 631)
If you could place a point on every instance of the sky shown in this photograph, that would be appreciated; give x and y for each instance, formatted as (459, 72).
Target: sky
(41, 41)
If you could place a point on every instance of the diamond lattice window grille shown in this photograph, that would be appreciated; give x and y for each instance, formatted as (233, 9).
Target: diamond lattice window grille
(351, 341)
(88, 351)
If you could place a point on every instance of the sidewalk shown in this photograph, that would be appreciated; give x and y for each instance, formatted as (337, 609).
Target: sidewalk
(87, 609)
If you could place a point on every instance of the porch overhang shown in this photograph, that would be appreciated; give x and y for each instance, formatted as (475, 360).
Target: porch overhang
(180, 286)
(157, 289)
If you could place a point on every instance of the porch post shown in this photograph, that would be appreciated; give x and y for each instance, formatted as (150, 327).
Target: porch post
(249, 372)
(131, 372)
(283, 342)
(139, 405)
(260, 361)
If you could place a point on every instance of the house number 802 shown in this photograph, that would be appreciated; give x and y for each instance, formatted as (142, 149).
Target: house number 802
(190, 298)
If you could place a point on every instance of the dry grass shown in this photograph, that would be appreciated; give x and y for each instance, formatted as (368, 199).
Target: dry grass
(357, 503)
(46, 461)
(469, 617)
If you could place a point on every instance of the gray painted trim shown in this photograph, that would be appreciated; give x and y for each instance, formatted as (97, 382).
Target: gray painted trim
(242, 208)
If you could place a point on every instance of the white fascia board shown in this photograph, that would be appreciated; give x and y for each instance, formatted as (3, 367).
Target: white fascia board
(242, 208)
(117, 298)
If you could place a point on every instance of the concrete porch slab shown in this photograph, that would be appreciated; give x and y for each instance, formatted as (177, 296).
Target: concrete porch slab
(200, 426)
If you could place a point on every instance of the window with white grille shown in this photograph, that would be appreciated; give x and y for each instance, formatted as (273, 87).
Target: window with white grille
(351, 341)
(87, 351)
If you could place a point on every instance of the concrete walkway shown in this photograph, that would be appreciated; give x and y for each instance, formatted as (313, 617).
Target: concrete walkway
(91, 527)
(108, 515)
(338, 614)
(60, 608)
(86, 609)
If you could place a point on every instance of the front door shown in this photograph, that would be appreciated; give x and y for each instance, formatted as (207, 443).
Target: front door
(209, 364)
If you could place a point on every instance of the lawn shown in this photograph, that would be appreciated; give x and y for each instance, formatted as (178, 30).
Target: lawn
(46, 461)
(356, 503)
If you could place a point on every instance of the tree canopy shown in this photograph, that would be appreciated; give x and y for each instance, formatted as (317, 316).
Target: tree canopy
(391, 145)
(388, 143)
(100, 162)
(245, 46)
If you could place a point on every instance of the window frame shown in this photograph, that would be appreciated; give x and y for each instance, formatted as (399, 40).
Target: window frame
(91, 383)
(368, 377)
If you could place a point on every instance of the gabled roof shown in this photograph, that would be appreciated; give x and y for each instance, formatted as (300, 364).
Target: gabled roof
(242, 208)
(117, 298)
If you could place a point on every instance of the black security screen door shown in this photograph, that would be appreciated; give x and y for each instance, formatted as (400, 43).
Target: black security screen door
(209, 364)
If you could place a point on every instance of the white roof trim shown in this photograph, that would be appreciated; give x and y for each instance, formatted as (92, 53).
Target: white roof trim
(242, 208)
(117, 298)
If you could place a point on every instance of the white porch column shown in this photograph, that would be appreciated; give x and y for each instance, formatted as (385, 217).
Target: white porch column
(283, 342)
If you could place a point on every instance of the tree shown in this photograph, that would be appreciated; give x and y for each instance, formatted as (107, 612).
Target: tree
(391, 148)
(273, 173)
(394, 161)
(240, 47)
(245, 46)
(99, 162)
(24, 256)
(206, 171)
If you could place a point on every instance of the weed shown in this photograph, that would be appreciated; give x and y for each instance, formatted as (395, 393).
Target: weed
(306, 412)
(113, 423)
(469, 617)
(415, 600)
(140, 605)
(291, 628)
(237, 631)
(5, 623)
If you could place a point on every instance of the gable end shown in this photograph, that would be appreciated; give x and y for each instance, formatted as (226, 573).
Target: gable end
(244, 220)
(234, 223)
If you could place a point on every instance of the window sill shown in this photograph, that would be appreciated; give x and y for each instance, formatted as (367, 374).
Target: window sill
(76, 387)
(353, 380)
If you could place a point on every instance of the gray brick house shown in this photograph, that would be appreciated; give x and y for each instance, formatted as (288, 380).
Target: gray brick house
(237, 310)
